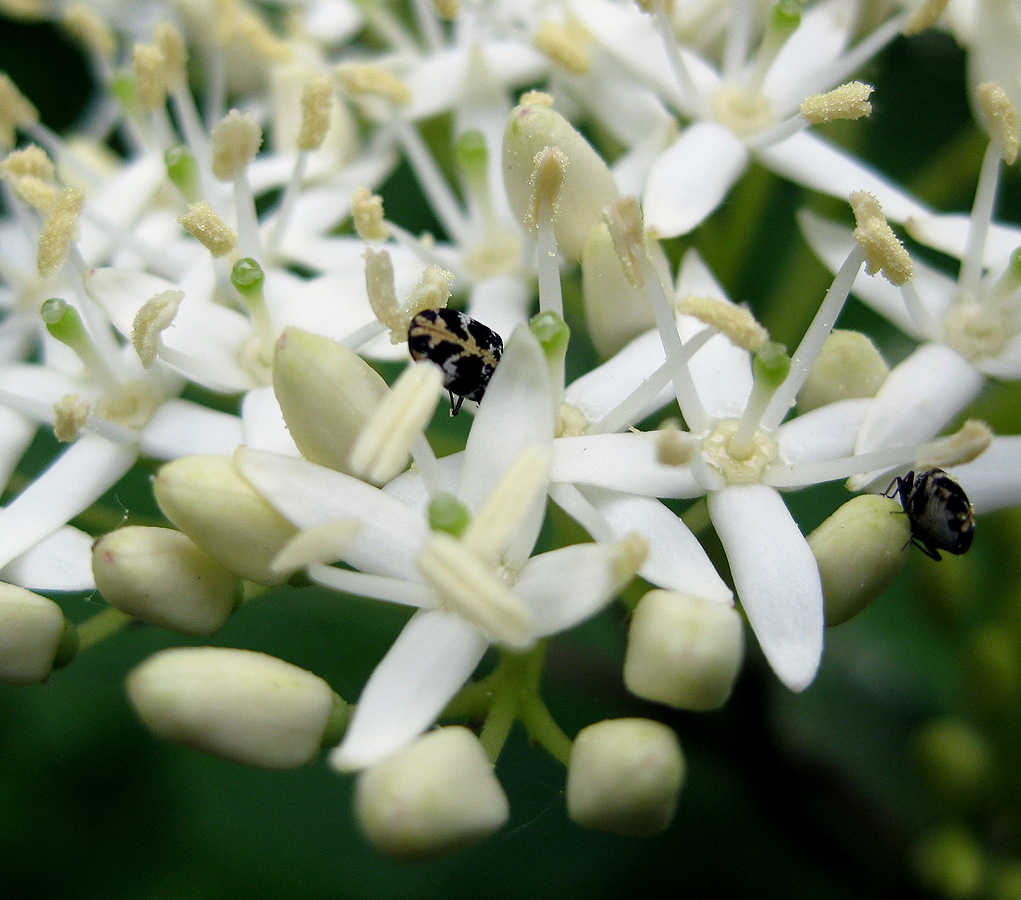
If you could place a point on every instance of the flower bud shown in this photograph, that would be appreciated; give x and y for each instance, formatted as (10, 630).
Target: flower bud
(950, 863)
(848, 366)
(432, 797)
(33, 633)
(954, 758)
(624, 776)
(859, 550)
(327, 393)
(683, 651)
(237, 704)
(992, 669)
(209, 500)
(587, 185)
(159, 576)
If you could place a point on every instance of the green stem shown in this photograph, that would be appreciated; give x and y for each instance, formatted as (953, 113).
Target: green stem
(100, 627)
(696, 516)
(501, 717)
(543, 729)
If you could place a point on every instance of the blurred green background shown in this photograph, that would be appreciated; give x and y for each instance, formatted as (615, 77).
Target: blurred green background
(818, 795)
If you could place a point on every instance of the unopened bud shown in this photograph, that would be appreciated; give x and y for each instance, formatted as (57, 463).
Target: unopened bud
(624, 776)
(849, 366)
(237, 704)
(955, 759)
(327, 393)
(159, 576)
(433, 797)
(859, 550)
(208, 499)
(683, 651)
(950, 863)
(32, 632)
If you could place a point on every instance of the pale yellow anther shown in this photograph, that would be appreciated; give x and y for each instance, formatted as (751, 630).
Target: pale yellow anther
(150, 69)
(624, 220)
(1001, 119)
(85, 26)
(59, 231)
(26, 10)
(535, 98)
(673, 446)
(431, 292)
(256, 33)
(373, 80)
(565, 43)
(379, 283)
(155, 316)
(209, 229)
(16, 111)
(31, 161)
(323, 544)
(736, 322)
(316, 107)
(571, 422)
(848, 101)
(925, 15)
(175, 53)
(883, 250)
(548, 170)
(383, 448)
(470, 587)
(524, 482)
(236, 139)
(447, 9)
(367, 213)
(966, 444)
(71, 412)
(36, 192)
(634, 551)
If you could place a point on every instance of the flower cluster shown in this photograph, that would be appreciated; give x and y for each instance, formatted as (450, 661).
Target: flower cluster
(204, 275)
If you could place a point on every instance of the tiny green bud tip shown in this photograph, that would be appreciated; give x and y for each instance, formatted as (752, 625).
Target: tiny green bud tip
(771, 363)
(52, 311)
(448, 514)
(471, 151)
(551, 331)
(124, 89)
(181, 167)
(337, 723)
(61, 319)
(786, 15)
(1015, 263)
(247, 275)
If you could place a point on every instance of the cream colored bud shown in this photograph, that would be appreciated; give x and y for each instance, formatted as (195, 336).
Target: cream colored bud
(883, 250)
(616, 311)
(208, 499)
(89, 30)
(16, 111)
(367, 212)
(435, 796)
(624, 776)
(59, 231)
(159, 576)
(849, 101)
(236, 139)
(848, 366)
(327, 394)
(150, 69)
(31, 630)
(924, 16)
(1001, 119)
(316, 106)
(209, 229)
(587, 187)
(859, 550)
(155, 316)
(237, 704)
(683, 651)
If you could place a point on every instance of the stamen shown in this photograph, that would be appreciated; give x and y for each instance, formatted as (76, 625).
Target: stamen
(634, 551)
(175, 51)
(883, 250)
(31, 160)
(379, 283)
(149, 66)
(367, 214)
(431, 292)
(736, 322)
(83, 24)
(16, 112)
(34, 192)
(383, 448)
(675, 447)
(361, 79)
(924, 16)
(209, 229)
(155, 316)
(316, 112)
(1001, 119)
(547, 179)
(235, 140)
(848, 101)
(71, 413)
(565, 45)
(59, 231)
(624, 221)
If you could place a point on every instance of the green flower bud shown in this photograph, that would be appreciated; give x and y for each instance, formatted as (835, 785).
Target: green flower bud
(433, 797)
(624, 776)
(327, 393)
(32, 630)
(859, 550)
(949, 863)
(954, 758)
(992, 668)
(587, 187)
(159, 576)
(209, 500)
(448, 514)
(237, 704)
(848, 366)
(683, 651)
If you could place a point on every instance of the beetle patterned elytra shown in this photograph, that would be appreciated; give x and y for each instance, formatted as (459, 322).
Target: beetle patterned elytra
(938, 511)
(466, 350)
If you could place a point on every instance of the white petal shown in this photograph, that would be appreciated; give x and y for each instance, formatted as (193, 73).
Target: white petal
(429, 662)
(60, 562)
(182, 428)
(949, 234)
(809, 160)
(776, 577)
(622, 462)
(676, 560)
(309, 495)
(74, 481)
(1006, 364)
(121, 293)
(264, 424)
(993, 481)
(691, 178)
(502, 302)
(16, 433)
(828, 432)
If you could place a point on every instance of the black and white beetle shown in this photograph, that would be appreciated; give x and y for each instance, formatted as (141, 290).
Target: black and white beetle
(466, 350)
(938, 511)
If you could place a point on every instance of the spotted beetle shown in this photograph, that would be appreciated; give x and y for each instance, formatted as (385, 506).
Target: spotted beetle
(938, 511)
(466, 350)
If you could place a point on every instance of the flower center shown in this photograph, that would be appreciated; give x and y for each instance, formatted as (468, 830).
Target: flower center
(744, 111)
(130, 405)
(740, 467)
(975, 331)
(498, 254)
